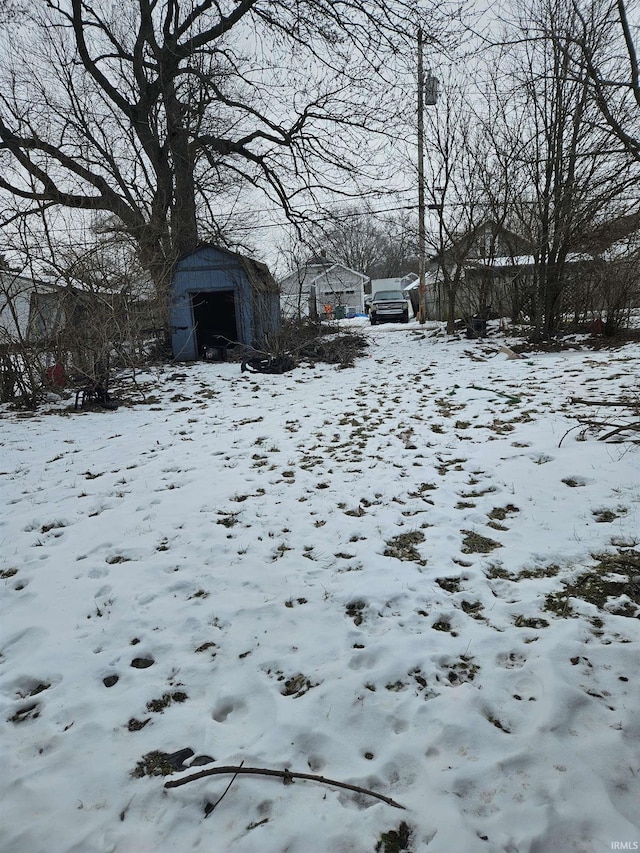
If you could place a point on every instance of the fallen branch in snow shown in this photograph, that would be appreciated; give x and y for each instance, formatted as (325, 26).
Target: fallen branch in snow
(211, 806)
(286, 775)
(619, 403)
(510, 397)
(613, 429)
(620, 428)
(571, 429)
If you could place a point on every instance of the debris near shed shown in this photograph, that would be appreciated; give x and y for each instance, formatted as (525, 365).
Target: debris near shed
(306, 340)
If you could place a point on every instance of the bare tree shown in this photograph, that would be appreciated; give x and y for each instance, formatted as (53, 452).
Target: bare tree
(566, 175)
(352, 236)
(377, 244)
(163, 114)
(611, 65)
(453, 190)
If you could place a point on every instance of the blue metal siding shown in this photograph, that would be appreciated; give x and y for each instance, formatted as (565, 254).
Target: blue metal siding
(211, 269)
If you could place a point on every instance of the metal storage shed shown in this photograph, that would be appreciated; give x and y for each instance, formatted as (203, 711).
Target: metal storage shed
(218, 299)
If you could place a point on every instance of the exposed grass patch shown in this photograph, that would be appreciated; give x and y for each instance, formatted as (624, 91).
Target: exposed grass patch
(201, 593)
(478, 493)
(421, 682)
(462, 671)
(495, 572)
(396, 840)
(445, 626)
(613, 585)
(52, 525)
(472, 608)
(29, 712)
(605, 516)
(499, 513)
(496, 722)
(449, 584)
(530, 622)
(574, 482)
(474, 543)
(280, 551)
(422, 489)
(297, 686)
(403, 547)
(500, 427)
(40, 687)
(355, 610)
(154, 763)
(540, 572)
(542, 459)
(135, 725)
(157, 706)
(358, 512)
(445, 464)
(291, 602)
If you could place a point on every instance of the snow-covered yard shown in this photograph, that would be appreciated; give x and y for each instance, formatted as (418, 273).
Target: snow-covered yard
(383, 575)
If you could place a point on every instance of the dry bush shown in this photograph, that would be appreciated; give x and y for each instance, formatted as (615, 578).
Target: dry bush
(312, 340)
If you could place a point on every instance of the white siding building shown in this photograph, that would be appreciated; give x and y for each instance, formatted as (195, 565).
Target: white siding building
(322, 282)
(15, 305)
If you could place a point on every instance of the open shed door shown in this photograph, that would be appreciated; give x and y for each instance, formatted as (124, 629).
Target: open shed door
(214, 316)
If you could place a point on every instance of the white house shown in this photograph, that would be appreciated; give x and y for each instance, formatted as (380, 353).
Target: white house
(15, 306)
(319, 283)
(31, 310)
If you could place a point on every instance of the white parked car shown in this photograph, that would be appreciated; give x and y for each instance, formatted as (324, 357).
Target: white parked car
(389, 306)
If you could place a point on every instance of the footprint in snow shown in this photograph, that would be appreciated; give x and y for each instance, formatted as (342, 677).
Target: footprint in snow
(511, 660)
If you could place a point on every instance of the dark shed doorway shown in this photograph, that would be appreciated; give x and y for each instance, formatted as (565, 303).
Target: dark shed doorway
(214, 314)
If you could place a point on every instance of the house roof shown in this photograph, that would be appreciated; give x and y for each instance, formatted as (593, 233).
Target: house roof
(319, 260)
(519, 261)
(339, 266)
(430, 278)
(605, 235)
(310, 273)
(463, 245)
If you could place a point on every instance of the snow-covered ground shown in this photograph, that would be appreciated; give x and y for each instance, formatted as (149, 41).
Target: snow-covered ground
(382, 575)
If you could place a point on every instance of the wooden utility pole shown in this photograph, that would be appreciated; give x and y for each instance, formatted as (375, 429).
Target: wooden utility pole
(422, 288)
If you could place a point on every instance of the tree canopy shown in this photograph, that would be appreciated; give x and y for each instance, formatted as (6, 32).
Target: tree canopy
(159, 116)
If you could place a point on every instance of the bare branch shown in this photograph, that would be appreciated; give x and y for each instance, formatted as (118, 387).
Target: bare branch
(282, 774)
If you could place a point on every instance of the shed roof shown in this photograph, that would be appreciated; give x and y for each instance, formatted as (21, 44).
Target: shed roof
(257, 273)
